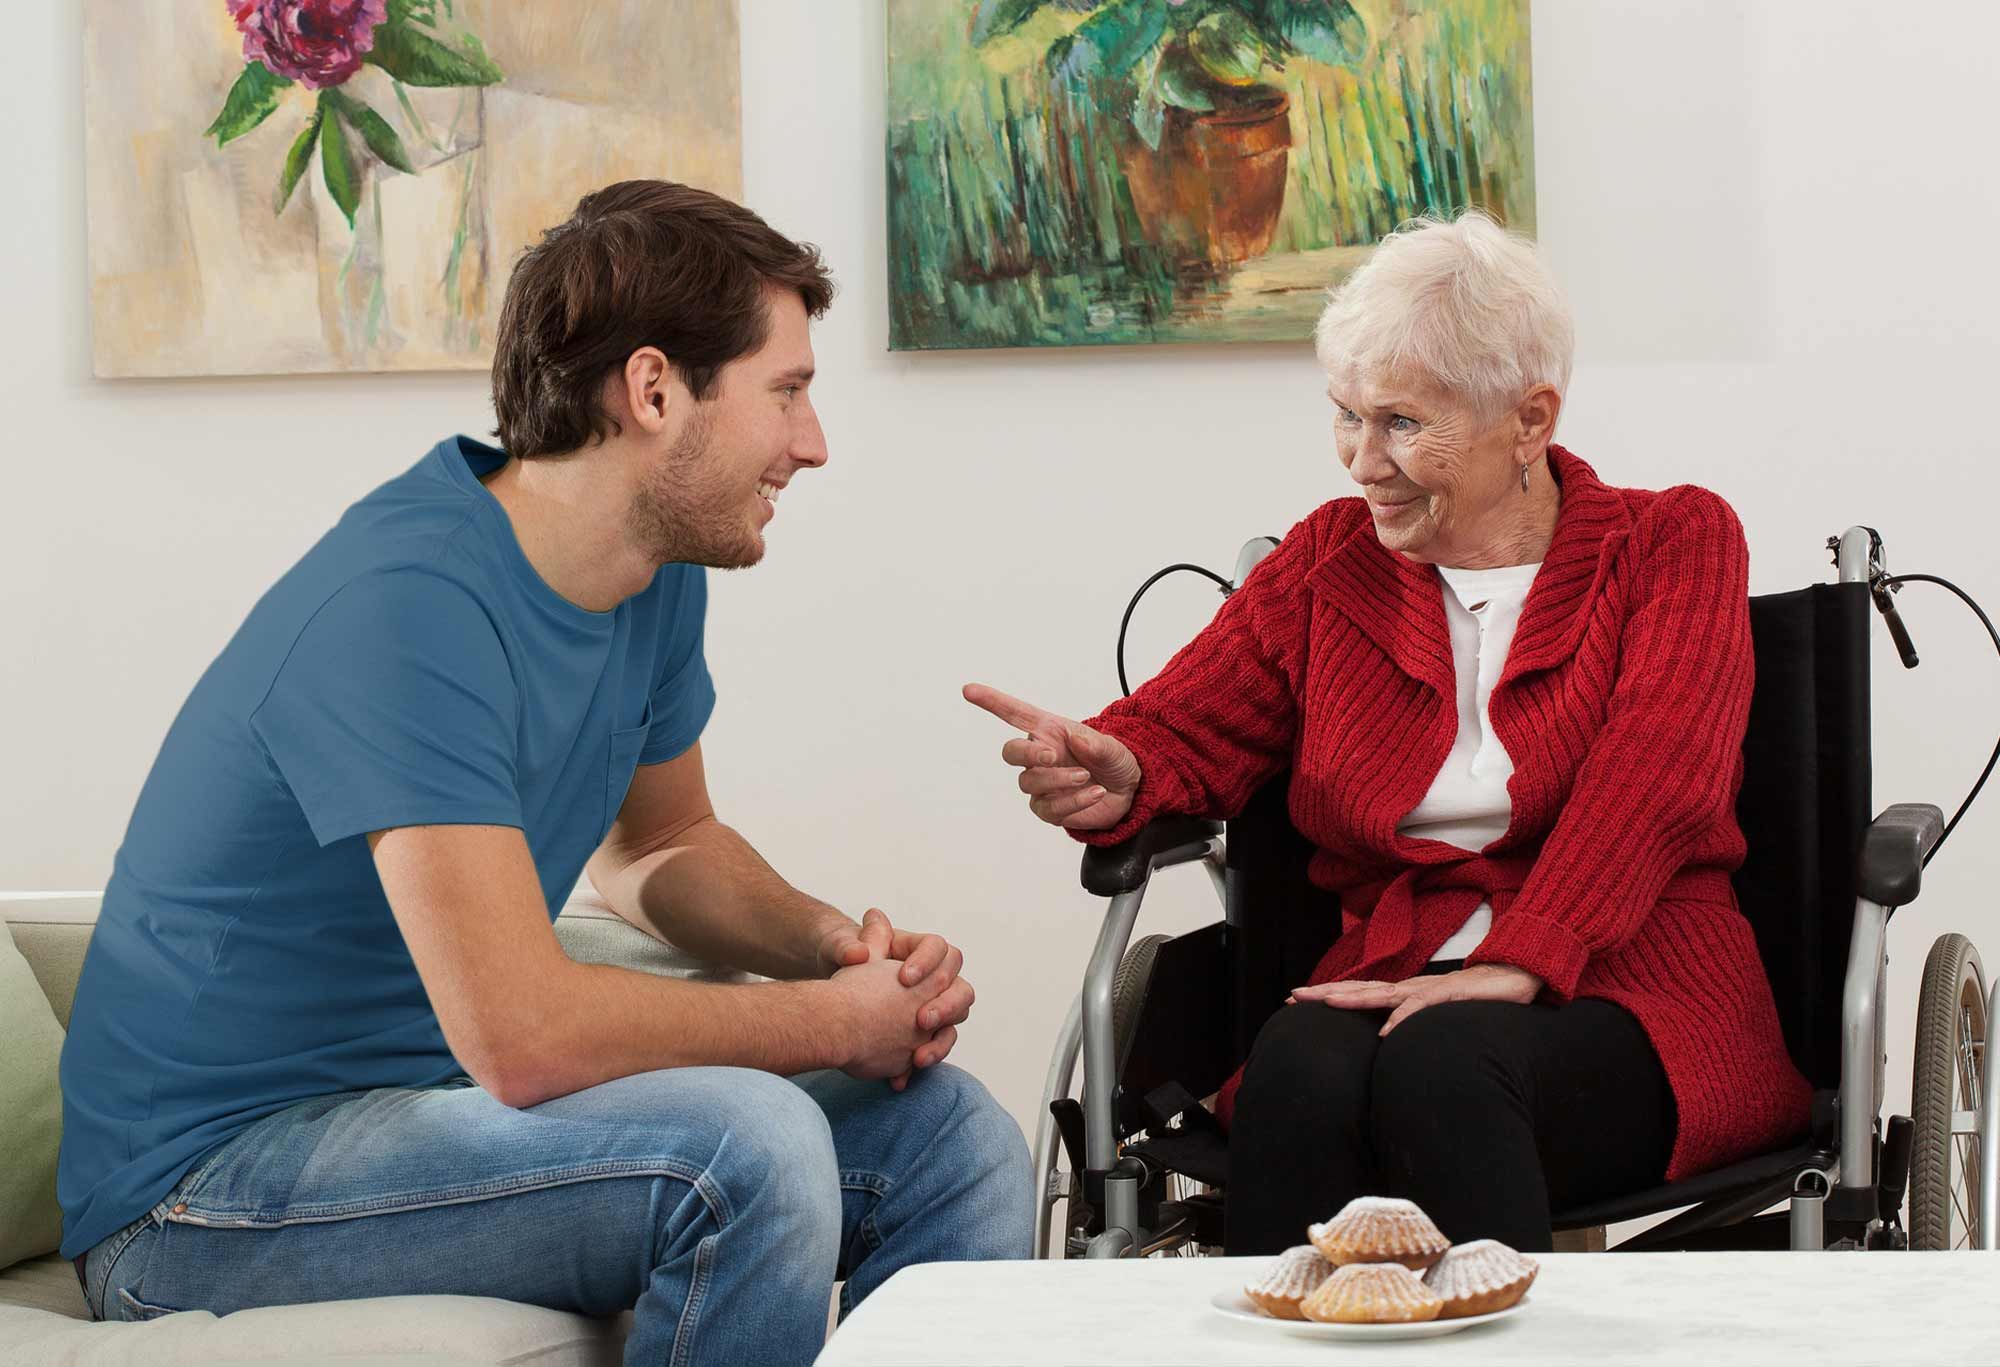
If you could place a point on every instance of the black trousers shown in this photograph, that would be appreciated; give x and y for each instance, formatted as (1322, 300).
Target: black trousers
(1486, 1114)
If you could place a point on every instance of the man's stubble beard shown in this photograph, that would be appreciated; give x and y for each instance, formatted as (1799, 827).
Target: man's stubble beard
(687, 513)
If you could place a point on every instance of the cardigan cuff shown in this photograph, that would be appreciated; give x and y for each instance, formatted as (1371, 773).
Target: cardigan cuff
(1549, 951)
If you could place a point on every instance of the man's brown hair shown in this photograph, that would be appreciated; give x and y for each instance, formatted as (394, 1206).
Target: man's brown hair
(640, 263)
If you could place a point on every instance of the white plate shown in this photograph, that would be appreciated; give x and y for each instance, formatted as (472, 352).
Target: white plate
(1237, 1306)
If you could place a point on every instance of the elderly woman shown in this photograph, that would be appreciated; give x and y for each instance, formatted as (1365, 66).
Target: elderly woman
(1511, 699)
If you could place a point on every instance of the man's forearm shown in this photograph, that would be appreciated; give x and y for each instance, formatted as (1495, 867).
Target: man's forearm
(713, 895)
(782, 1028)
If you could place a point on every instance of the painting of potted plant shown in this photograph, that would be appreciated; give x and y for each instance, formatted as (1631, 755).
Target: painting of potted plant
(1067, 172)
(1200, 79)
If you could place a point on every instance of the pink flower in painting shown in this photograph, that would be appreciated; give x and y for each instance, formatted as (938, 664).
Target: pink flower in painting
(317, 42)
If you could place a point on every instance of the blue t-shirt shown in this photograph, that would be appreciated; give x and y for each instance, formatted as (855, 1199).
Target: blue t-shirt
(412, 669)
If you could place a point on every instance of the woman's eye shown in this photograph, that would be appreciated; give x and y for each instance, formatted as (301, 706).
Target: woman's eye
(1399, 423)
(1349, 415)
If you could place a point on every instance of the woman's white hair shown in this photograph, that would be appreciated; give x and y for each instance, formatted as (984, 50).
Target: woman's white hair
(1466, 303)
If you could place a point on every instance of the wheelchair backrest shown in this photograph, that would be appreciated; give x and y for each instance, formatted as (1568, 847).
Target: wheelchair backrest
(1807, 779)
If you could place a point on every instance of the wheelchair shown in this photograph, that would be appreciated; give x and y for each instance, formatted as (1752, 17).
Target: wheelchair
(1139, 1167)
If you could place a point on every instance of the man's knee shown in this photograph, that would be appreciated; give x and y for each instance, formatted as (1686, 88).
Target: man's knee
(761, 1149)
(971, 1159)
(980, 1129)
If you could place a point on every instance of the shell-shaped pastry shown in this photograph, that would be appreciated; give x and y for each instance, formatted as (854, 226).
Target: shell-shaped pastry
(1481, 1277)
(1380, 1229)
(1292, 1276)
(1372, 1293)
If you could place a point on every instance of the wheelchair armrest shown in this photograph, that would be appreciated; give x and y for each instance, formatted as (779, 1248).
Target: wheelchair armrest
(1893, 850)
(1114, 869)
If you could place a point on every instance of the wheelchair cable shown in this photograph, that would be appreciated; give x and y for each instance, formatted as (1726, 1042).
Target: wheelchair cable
(1891, 582)
(1125, 688)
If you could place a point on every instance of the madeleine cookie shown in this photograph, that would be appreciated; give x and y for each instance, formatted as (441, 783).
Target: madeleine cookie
(1379, 1229)
(1293, 1275)
(1372, 1293)
(1480, 1277)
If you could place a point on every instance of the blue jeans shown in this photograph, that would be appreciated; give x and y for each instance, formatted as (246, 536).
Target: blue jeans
(718, 1204)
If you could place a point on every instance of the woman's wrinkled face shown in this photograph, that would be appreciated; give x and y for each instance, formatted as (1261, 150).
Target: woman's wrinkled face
(1437, 473)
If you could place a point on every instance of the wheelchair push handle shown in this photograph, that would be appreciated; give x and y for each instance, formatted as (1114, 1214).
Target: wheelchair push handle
(1857, 553)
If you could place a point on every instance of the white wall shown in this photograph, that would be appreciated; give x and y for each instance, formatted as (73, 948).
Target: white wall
(1777, 220)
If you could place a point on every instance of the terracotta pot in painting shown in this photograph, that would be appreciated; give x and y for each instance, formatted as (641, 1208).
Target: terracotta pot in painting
(1214, 189)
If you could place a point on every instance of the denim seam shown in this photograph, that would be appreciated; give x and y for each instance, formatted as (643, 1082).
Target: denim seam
(871, 1236)
(113, 1249)
(324, 1213)
(684, 1332)
(853, 1180)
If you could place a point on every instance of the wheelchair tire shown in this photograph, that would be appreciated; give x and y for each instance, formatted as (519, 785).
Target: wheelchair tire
(1951, 1039)
(1128, 991)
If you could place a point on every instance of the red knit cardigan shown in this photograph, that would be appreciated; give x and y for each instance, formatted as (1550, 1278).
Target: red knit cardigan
(1622, 704)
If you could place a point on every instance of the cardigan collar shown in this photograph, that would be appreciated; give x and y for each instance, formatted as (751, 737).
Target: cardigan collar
(1399, 604)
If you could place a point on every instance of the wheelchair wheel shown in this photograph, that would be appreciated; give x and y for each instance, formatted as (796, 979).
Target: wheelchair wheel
(1951, 1043)
(1128, 990)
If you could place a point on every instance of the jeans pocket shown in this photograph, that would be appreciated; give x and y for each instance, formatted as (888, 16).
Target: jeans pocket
(132, 1308)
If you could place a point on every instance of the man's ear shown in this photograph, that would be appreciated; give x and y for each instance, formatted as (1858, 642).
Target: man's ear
(644, 389)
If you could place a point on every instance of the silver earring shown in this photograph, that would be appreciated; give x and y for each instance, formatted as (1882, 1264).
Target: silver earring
(1524, 479)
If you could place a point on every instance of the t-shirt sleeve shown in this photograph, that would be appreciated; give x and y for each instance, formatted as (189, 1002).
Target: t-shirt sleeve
(685, 697)
(395, 707)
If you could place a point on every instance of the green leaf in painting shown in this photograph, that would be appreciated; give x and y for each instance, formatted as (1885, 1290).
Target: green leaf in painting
(297, 160)
(251, 101)
(1110, 42)
(337, 163)
(374, 130)
(416, 58)
(423, 12)
(995, 18)
(1324, 30)
(1149, 111)
(1183, 84)
(1228, 48)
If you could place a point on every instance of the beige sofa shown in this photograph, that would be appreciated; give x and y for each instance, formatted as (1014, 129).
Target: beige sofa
(43, 1322)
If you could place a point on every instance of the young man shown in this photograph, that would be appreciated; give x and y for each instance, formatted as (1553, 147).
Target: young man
(326, 1043)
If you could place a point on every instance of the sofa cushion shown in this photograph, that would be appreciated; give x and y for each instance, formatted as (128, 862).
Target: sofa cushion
(52, 931)
(30, 1111)
(592, 933)
(45, 1283)
(450, 1329)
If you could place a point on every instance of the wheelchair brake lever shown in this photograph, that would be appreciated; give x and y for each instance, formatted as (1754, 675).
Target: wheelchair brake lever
(1879, 589)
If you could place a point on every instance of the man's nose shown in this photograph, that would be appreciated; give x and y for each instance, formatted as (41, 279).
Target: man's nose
(809, 441)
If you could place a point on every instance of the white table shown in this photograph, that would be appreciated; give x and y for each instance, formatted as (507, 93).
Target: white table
(1708, 1309)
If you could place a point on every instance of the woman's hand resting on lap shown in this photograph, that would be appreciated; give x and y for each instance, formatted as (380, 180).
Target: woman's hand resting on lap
(1073, 776)
(1480, 983)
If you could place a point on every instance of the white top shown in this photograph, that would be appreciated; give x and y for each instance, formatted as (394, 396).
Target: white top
(1584, 1310)
(1467, 804)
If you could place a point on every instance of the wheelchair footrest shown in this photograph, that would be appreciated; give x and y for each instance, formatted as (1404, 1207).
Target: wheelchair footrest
(1201, 1153)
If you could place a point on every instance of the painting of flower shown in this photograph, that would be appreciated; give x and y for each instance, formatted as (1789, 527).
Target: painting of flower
(320, 185)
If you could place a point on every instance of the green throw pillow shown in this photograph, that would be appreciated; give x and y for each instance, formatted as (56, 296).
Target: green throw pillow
(30, 1111)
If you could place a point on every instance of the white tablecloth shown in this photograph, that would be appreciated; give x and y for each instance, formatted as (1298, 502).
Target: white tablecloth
(1706, 1309)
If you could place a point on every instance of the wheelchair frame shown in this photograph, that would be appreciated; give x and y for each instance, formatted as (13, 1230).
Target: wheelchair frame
(1896, 844)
